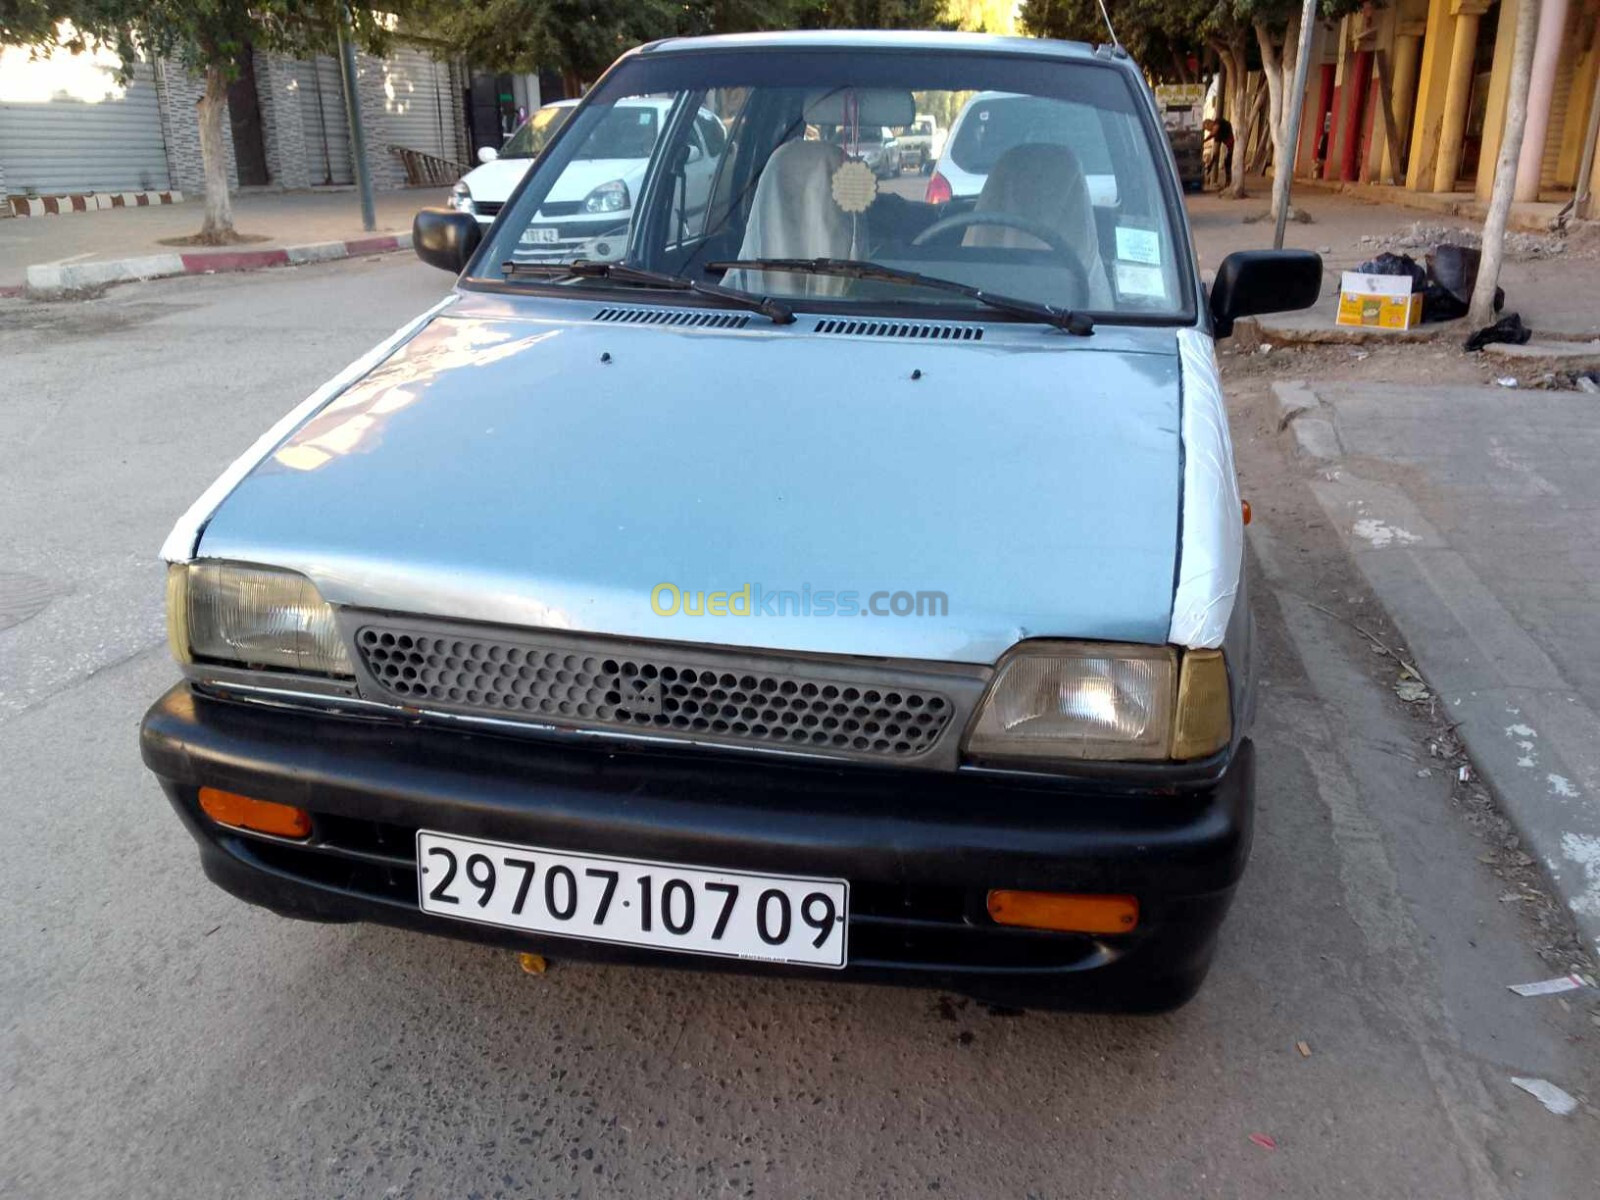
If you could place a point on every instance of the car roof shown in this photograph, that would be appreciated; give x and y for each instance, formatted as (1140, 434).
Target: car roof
(876, 39)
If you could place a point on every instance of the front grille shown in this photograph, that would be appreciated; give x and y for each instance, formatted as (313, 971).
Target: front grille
(488, 208)
(560, 208)
(927, 927)
(688, 317)
(847, 327)
(699, 693)
(863, 709)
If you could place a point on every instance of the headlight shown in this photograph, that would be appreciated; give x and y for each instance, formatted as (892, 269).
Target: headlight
(461, 197)
(252, 616)
(1081, 700)
(608, 198)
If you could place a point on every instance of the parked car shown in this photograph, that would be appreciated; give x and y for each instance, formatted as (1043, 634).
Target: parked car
(992, 122)
(831, 584)
(875, 145)
(483, 190)
(922, 144)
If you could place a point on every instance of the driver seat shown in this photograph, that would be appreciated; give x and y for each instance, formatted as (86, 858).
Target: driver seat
(1043, 182)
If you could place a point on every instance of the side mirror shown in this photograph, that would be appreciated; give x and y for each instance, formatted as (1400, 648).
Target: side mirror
(445, 238)
(488, 154)
(695, 154)
(1263, 281)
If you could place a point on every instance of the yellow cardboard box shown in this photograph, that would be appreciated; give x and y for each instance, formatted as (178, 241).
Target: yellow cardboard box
(1378, 301)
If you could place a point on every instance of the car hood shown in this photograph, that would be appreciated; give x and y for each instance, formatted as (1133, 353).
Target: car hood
(494, 181)
(519, 462)
(581, 176)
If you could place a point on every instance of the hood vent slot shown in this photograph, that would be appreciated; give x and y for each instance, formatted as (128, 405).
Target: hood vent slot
(687, 318)
(901, 329)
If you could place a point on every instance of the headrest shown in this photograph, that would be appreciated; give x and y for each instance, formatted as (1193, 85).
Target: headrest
(874, 106)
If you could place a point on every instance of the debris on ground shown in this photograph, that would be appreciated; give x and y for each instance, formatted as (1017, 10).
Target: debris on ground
(1304, 1048)
(1508, 328)
(1548, 1094)
(1410, 687)
(1267, 1142)
(1549, 987)
(1445, 283)
(1507, 381)
(533, 964)
(1421, 235)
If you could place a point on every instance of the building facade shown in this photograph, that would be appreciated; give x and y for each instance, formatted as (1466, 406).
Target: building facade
(69, 126)
(1442, 70)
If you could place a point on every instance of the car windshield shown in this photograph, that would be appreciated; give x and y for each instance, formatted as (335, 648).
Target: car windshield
(1048, 191)
(534, 134)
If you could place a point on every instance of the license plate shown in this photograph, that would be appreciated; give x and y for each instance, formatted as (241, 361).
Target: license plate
(666, 906)
(541, 235)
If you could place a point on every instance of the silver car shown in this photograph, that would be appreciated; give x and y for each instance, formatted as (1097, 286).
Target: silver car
(826, 582)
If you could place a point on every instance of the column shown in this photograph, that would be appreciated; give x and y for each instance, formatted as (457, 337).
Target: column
(1494, 111)
(1358, 82)
(1458, 90)
(1407, 52)
(1546, 53)
(1423, 151)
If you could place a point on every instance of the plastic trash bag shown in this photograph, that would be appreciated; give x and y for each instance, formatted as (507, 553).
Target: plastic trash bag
(1508, 328)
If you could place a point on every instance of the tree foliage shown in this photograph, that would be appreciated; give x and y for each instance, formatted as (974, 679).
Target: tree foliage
(201, 34)
(581, 38)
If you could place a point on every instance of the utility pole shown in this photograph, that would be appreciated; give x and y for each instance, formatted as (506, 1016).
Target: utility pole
(1283, 173)
(1481, 313)
(352, 108)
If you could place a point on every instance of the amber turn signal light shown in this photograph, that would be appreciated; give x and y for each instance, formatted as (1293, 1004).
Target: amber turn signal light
(1065, 912)
(260, 816)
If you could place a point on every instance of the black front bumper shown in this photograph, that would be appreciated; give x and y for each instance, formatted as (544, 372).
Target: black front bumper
(920, 849)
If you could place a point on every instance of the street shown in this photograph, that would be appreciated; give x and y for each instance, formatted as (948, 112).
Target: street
(1355, 1038)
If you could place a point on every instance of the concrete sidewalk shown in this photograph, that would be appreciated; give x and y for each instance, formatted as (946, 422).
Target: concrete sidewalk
(284, 219)
(1472, 512)
(1557, 293)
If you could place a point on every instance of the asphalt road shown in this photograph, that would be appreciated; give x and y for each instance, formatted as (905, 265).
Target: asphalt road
(159, 1038)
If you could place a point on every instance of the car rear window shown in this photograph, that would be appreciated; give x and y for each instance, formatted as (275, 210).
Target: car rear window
(991, 127)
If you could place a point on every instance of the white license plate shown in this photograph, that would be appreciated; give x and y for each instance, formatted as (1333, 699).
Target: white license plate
(734, 914)
(541, 235)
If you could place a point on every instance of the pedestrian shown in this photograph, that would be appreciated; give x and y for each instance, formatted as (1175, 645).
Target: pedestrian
(1219, 130)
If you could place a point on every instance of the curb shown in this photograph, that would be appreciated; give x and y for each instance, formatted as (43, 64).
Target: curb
(50, 280)
(76, 202)
(1256, 331)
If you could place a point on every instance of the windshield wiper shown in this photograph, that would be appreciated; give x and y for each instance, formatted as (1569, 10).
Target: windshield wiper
(1077, 323)
(584, 268)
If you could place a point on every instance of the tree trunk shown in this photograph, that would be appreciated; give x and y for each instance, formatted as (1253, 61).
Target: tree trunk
(213, 111)
(1279, 65)
(1239, 113)
(1481, 312)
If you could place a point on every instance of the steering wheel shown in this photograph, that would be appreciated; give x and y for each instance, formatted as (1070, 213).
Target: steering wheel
(1050, 237)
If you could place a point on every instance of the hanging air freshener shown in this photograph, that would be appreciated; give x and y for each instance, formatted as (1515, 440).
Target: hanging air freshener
(855, 187)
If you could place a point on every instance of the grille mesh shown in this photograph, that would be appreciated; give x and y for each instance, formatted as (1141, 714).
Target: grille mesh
(901, 329)
(687, 695)
(672, 316)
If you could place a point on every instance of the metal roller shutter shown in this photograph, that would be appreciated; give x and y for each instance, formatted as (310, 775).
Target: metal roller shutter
(323, 117)
(421, 105)
(98, 137)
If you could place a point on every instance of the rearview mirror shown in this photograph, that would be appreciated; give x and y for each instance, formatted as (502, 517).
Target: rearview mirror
(488, 154)
(1263, 281)
(445, 238)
